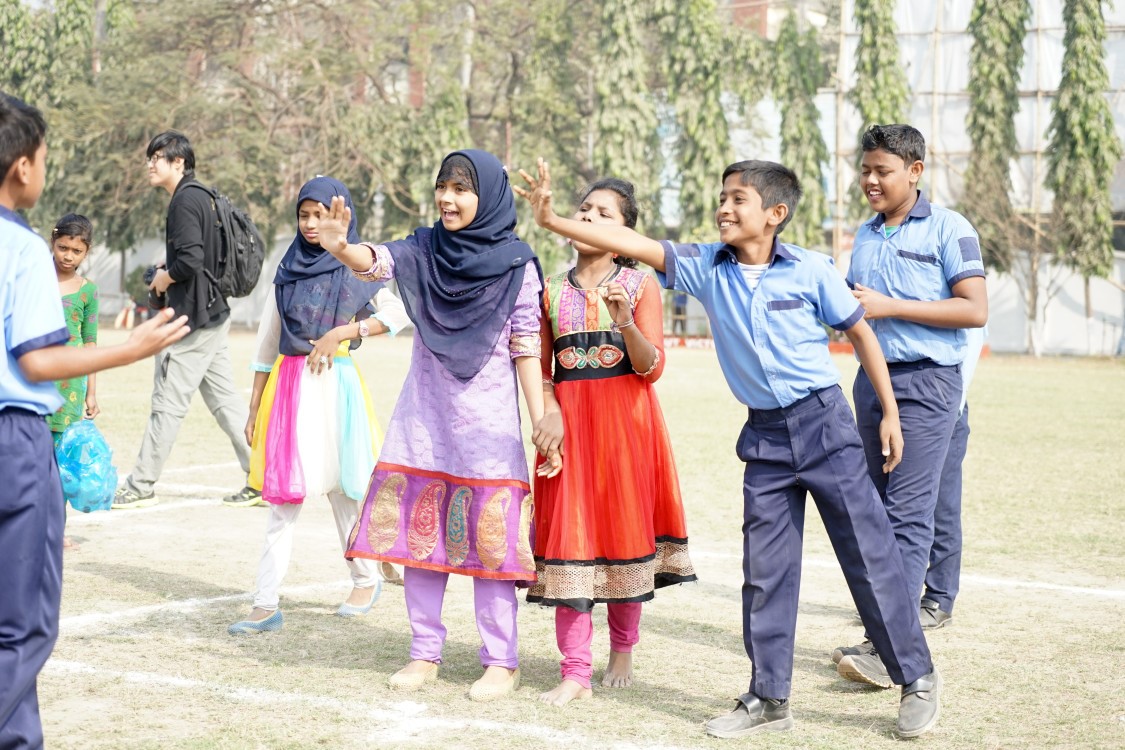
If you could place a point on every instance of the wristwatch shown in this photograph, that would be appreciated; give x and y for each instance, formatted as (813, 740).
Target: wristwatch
(364, 331)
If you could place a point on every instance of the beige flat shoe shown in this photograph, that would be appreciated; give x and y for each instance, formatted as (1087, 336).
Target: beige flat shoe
(403, 680)
(482, 691)
(390, 575)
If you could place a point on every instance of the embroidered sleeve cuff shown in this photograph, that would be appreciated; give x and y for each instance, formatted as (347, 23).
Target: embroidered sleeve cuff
(967, 274)
(54, 338)
(525, 345)
(380, 264)
(393, 326)
(851, 320)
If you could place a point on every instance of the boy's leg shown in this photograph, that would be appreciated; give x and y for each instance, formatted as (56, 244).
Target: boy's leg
(944, 575)
(31, 524)
(928, 399)
(425, 593)
(496, 607)
(217, 389)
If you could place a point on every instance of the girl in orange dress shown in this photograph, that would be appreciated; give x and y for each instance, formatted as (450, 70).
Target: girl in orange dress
(610, 527)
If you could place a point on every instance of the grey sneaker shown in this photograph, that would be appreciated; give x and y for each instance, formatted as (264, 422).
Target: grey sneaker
(932, 617)
(865, 668)
(752, 715)
(920, 706)
(127, 498)
(245, 498)
(864, 648)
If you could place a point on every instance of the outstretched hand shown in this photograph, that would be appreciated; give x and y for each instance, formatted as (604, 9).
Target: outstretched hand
(539, 194)
(333, 226)
(158, 332)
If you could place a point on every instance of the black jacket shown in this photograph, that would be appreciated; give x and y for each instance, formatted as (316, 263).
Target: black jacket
(192, 243)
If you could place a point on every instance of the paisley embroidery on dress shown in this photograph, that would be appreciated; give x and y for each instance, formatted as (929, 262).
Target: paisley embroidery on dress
(492, 530)
(605, 355)
(457, 526)
(422, 536)
(523, 546)
(382, 520)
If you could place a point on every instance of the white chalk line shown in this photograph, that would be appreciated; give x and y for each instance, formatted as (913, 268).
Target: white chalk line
(402, 720)
(201, 467)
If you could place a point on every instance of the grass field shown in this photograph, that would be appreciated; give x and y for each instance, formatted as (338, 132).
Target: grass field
(1035, 657)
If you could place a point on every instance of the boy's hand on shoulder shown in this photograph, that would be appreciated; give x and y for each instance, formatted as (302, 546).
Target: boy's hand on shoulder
(156, 333)
(875, 304)
(890, 434)
(538, 194)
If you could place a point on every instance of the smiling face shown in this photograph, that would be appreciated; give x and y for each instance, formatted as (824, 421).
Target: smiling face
(599, 207)
(309, 214)
(889, 183)
(741, 217)
(68, 252)
(457, 203)
(164, 173)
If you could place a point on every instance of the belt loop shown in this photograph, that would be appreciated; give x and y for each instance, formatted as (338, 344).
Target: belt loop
(821, 397)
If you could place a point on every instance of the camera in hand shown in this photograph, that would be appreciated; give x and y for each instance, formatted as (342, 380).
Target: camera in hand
(149, 275)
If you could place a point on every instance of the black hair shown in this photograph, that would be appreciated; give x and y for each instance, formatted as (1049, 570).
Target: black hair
(458, 168)
(173, 144)
(775, 183)
(74, 225)
(22, 130)
(903, 141)
(626, 202)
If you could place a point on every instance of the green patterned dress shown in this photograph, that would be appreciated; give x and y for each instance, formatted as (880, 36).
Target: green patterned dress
(81, 312)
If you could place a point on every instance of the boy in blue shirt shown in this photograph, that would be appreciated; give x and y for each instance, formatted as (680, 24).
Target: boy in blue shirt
(766, 302)
(31, 501)
(916, 268)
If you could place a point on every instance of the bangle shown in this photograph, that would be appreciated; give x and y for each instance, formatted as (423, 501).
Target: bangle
(653, 366)
(616, 327)
(548, 381)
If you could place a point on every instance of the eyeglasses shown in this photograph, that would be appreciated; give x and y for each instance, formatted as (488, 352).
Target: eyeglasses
(154, 158)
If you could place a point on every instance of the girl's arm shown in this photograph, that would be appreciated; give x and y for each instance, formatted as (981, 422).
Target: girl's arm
(548, 433)
(260, 379)
(642, 328)
(92, 409)
(90, 338)
(333, 236)
(871, 359)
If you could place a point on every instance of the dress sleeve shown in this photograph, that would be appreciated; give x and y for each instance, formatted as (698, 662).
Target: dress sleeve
(382, 264)
(546, 338)
(390, 311)
(649, 316)
(269, 336)
(90, 321)
(526, 317)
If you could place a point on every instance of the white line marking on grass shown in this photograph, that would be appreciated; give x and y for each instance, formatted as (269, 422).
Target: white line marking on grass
(400, 721)
(201, 467)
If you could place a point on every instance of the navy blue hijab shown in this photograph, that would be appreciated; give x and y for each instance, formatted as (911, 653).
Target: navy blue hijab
(315, 292)
(460, 288)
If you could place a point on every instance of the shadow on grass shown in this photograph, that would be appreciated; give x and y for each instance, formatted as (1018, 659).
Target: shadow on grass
(161, 583)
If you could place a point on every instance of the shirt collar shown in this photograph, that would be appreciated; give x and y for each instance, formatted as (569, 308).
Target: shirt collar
(10, 215)
(726, 252)
(920, 210)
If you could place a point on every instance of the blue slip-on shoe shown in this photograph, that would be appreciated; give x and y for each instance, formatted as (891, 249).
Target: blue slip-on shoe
(269, 625)
(349, 610)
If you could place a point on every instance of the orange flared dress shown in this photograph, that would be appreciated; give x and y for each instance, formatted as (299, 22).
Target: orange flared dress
(610, 526)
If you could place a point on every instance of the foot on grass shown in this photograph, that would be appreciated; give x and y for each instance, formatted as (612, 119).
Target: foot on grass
(70, 545)
(567, 691)
(619, 671)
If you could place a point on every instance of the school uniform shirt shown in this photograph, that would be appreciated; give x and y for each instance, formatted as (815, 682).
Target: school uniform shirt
(191, 241)
(771, 343)
(32, 313)
(921, 260)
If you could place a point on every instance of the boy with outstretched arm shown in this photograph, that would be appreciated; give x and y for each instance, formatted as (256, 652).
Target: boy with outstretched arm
(916, 268)
(31, 501)
(766, 302)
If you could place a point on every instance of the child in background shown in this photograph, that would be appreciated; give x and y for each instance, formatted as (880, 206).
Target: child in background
(610, 527)
(311, 427)
(450, 493)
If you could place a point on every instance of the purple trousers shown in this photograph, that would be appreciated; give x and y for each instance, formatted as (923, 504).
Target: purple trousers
(495, 610)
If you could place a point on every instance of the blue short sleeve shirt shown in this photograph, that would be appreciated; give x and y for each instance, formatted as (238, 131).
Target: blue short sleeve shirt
(771, 343)
(922, 260)
(32, 312)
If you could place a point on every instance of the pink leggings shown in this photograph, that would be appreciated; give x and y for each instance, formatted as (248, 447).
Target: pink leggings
(574, 632)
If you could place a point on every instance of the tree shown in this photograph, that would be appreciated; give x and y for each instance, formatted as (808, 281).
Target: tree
(798, 75)
(881, 91)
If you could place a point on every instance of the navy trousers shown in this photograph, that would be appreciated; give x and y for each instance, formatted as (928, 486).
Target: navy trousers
(943, 578)
(813, 447)
(928, 397)
(31, 524)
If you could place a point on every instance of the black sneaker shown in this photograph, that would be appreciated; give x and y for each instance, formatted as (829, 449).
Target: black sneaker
(864, 648)
(127, 498)
(245, 498)
(752, 715)
(920, 706)
(866, 668)
(932, 617)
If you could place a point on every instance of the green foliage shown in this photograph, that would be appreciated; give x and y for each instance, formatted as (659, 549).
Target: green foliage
(998, 28)
(1083, 147)
(881, 91)
(798, 75)
(24, 42)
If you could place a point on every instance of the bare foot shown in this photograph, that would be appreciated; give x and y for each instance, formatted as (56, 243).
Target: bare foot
(359, 597)
(258, 614)
(619, 671)
(70, 544)
(567, 691)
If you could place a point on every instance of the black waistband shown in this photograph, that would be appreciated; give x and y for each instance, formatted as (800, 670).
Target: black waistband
(591, 355)
(918, 364)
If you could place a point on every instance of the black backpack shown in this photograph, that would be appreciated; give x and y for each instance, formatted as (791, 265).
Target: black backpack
(241, 248)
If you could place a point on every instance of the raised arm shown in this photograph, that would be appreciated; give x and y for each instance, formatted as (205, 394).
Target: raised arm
(333, 236)
(609, 237)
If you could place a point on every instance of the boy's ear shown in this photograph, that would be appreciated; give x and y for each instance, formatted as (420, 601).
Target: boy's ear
(777, 214)
(916, 169)
(20, 172)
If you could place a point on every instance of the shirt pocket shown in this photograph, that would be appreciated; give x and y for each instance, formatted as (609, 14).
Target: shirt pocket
(916, 275)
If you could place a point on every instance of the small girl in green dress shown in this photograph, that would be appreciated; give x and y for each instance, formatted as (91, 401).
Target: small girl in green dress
(70, 243)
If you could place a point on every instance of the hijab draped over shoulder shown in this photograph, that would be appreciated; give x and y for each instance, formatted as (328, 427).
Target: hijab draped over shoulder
(315, 292)
(460, 288)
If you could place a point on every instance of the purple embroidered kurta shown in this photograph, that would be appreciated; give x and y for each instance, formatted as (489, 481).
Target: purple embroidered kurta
(450, 491)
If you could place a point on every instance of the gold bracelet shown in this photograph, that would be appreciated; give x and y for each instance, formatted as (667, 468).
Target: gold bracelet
(616, 327)
(653, 366)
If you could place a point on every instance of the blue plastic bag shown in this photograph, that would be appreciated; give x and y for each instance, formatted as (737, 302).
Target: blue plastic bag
(89, 478)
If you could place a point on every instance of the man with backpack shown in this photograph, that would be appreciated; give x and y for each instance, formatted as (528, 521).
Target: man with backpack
(189, 281)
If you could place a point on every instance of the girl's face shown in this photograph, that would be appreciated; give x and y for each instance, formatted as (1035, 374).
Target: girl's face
(599, 207)
(68, 252)
(309, 214)
(457, 203)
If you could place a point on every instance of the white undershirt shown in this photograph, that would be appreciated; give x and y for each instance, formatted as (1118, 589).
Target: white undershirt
(752, 273)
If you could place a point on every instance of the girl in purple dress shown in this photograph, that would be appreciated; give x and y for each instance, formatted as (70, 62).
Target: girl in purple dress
(450, 492)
